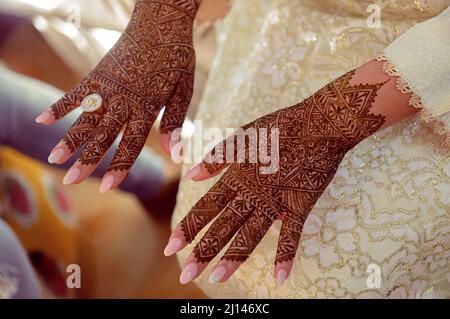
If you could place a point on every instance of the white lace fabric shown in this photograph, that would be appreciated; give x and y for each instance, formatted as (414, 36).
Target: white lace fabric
(420, 57)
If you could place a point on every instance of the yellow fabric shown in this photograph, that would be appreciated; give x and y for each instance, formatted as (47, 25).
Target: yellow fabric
(388, 205)
(47, 228)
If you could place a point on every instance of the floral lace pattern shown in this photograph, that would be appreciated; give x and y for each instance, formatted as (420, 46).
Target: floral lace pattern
(388, 204)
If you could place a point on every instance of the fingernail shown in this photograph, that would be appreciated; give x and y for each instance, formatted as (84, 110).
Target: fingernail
(193, 172)
(217, 275)
(43, 117)
(188, 274)
(107, 183)
(56, 155)
(71, 176)
(172, 247)
(281, 276)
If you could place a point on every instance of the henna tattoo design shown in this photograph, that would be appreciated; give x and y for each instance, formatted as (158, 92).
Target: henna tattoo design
(314, 137)
(151, 66)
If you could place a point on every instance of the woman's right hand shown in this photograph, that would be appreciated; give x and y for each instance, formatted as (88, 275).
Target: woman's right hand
(150, 67)
(279, 166)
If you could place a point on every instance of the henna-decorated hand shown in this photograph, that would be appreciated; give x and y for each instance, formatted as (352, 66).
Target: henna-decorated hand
(313, 138)
(150, 67)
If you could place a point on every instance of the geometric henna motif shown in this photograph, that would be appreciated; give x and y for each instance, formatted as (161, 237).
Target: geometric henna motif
(150, 67)
(206, 209)
(314, 136)
(224, 228)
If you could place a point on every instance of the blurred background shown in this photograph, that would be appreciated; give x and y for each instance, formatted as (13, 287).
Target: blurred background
(117, 239)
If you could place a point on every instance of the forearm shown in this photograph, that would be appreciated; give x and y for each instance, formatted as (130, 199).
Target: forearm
(390, 102)
(418, 61)
(416, 71)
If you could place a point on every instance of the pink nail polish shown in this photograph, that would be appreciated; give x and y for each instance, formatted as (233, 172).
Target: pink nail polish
(173, 246)
(107, 183)
(189, 273)
(193, 172)
(71, 176)
(217, 275)
(43, 117)
(281, 276)
(56, 155)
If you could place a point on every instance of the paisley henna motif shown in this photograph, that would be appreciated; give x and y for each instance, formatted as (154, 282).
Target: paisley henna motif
(150, 67)
(314, 137)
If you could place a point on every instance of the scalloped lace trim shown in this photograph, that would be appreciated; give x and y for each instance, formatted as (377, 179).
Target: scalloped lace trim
(437, 125)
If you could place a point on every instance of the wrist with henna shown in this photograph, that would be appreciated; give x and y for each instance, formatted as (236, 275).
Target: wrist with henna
(150, 67)
(312, 139)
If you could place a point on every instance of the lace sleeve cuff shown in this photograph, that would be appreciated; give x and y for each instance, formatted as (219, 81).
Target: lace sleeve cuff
(421, 59)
